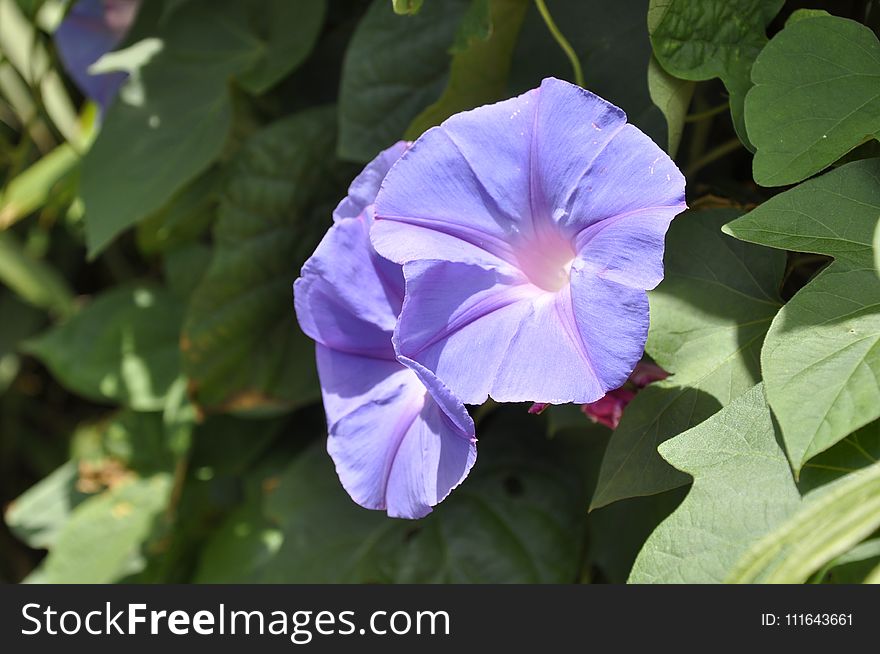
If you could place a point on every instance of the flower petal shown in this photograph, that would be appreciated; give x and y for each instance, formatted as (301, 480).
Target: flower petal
(362, 191)
(627, 249)
(468, 179)
(613, 321)
(348, 298)
(394, 447)
(630, 174)
(484, 331)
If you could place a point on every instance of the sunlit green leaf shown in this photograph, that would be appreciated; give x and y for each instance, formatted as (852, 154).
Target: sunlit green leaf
(821, 359)
(742, 489)
(673, 96)
(121, 348)
(816, 97)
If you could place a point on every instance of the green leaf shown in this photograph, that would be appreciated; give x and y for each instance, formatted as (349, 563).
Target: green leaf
(612, 44)
(156, 141)
(33, 280)
(407, 6)
(240, 548)
(743, 488)
(708, 320)
(185, 218)
(394, 67)
(479, 69)
(241, 344)
(715, 38)
(618, 532)
(121, 348)
(102, 540)
(673, 96)
(816, 97)
(20, 321)
(853, 566)
(38, 516)
(821, 359)
(518, 518)
(831, 521)
(853, 453)
(30, 190)
(877, 248)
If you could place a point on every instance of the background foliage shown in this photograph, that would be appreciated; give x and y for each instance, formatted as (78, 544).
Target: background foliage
(159, 410)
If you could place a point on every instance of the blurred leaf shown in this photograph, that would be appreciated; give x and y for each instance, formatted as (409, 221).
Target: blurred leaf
(715, 38)
(185, 217)
(832, 520)
(30, 190)
(477, 23)
(518, 518)
(152, 146)
(33, 280)
(708, 320)
(394, 67)
(20, 321)
(802, 118)
(123, 347)
(21, 46)
(240, 548)
(407, 6)
(38, 516)
(673, 97)
(185, 267)
(743, 488)
(611, 42)
(852, 567)
(821, 359)
(102, 540)
(479, 69)
(241, 344)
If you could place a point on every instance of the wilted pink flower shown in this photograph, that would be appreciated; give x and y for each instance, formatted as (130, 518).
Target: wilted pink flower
(608, 409)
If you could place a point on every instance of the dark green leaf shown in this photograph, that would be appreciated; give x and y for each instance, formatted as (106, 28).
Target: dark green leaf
(519, 517)
(816, 97)
(713, 38)
(395, 66)
(157, 140)
(479, 68)
(241, 344)
(611, 41)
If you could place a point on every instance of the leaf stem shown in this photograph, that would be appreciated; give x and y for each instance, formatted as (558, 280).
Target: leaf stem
(703, 115)
(713, 155)
(562, 41)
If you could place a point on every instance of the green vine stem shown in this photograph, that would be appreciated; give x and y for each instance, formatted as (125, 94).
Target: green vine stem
(562, 41)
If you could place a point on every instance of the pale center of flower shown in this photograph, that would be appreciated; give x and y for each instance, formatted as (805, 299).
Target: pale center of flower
(547, 262)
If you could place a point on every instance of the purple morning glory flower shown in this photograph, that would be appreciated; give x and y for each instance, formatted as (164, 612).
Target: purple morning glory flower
(400, 440)
(91, 29)
(530, 230)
